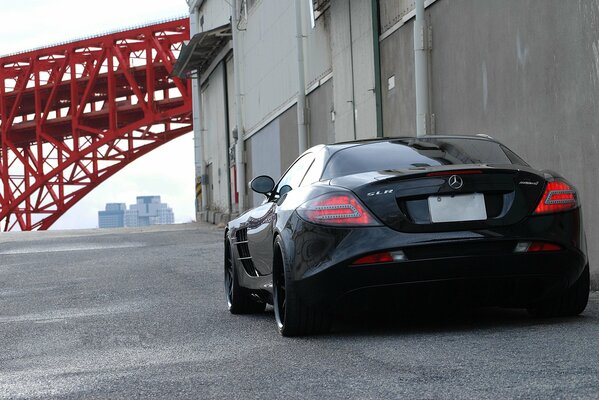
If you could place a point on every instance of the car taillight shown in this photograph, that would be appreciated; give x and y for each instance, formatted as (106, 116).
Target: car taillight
(380, 258)
(339, 209)
(558, 196)
(533, 247)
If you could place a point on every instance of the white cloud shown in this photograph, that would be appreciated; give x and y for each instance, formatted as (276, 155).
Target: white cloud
(28, 24)
(168, 170)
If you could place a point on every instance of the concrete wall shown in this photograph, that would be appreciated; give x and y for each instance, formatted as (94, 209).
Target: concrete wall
(392, 11)
(213, 13)
(289, 148)
(215, 138)
(317, 47)
(272, 149)
(524, 71)
(354, 97)
(269, 59)
(267, 141)
(321, 105)
(399, 101)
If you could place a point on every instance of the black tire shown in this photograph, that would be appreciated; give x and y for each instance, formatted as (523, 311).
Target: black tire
(572, 302)
(239, 301)
(293, 317)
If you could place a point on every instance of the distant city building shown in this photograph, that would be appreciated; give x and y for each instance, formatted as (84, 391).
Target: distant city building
(148, 210)
(113, 216)
(131, 216)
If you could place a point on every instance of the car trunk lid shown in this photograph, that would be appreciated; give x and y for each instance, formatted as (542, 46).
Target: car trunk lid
(449, 197)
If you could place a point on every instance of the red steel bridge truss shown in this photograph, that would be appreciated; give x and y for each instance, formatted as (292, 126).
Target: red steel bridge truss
(73, 115)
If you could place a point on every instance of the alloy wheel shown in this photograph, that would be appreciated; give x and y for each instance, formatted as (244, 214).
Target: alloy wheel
(279, 296)
(228, 275)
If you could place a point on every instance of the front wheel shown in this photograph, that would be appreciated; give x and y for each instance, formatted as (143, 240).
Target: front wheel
(570, 303)
(293, 317)
(239, 301)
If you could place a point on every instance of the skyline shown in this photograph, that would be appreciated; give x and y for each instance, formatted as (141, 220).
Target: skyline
(168, 170)
(147, 210)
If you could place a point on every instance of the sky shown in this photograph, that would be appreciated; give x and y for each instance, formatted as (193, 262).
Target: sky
(167, 171)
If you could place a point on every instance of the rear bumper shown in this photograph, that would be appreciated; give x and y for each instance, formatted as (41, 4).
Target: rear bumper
(479, 262)
(514, 279)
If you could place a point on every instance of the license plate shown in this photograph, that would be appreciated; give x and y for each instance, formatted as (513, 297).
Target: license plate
(463, 207)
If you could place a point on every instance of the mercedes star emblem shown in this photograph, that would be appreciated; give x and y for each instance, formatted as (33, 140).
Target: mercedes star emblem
(455, 182)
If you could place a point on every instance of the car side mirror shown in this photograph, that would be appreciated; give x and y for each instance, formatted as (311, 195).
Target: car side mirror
(284, 190)
(262, 184)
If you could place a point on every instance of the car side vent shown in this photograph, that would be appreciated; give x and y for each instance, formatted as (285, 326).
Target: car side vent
(244, 252)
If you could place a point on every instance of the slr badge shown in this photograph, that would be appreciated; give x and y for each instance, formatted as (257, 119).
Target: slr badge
(379, 192)
(455, 182)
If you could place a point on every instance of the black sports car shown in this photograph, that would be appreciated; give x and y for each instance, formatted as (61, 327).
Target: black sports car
(389, 216)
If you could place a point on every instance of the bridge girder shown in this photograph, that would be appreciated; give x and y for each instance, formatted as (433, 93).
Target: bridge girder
(73, 115)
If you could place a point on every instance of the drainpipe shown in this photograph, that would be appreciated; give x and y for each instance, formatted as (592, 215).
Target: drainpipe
(377, 68)
(240, 145)
(421, 71)
(353, 77)
(302, 123)
(228, 141)
(197, 123)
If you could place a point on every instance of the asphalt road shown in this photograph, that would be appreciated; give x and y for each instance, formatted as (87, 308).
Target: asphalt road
(140, 314)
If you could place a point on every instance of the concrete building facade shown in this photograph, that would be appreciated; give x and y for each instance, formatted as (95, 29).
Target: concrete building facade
(523, 71)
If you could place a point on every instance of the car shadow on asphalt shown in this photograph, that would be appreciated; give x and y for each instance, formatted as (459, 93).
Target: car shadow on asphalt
(380, 321)
(427, 321)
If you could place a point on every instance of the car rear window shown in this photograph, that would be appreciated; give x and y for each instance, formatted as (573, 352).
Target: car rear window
(414, 153)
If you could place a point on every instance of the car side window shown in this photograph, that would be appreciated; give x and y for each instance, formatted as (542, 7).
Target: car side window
(296, 173)
(315, 171)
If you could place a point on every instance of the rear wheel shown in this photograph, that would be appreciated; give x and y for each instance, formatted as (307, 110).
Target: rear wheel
(239, 300)
(570, 303)
(292, 315)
